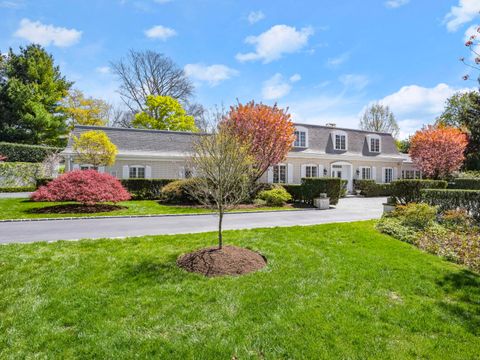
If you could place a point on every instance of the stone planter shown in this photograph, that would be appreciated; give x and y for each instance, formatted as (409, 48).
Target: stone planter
(388, 208)
(322, 203)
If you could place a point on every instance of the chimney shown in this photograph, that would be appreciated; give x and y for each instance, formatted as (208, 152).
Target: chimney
(331, 124)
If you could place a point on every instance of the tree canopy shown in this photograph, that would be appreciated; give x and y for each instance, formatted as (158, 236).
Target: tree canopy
(379, 118)
(31, 88)
(82, 110)
(95, 148)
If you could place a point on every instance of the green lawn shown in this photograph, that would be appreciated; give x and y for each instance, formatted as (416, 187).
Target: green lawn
(337, 291)
(21, 209)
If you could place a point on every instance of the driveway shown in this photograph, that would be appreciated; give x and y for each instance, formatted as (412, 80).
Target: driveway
(348, 209)
(14, 195)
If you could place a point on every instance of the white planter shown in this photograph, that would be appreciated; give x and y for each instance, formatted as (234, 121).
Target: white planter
(321, 203)
(388, 208)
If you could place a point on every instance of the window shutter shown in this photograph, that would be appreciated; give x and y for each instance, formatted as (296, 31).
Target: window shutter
(125, 173)
(320, 170)
(270, 175)
(101, 169)
(395, 173)
(181, 173)
(289, 173)
(374, 173)
(76, 167)
(148, 172)
(303, 172)
(383, 174)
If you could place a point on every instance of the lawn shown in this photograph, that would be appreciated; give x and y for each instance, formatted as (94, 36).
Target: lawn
(22, 209)
(337, 291)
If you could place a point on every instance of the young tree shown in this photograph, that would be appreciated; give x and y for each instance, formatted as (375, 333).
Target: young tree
(473, 44)
(438, 151)
(31, 88)
(403, 145)
(379, 118)
(164, 113)
(83, 110)
(224, 169)
(267, 131)
(463, 111)
(94, 147)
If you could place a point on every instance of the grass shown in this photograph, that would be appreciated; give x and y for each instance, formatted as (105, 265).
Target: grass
(22, 209)
(337, 291)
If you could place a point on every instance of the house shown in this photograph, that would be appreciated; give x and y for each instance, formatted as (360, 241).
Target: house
(317, 151)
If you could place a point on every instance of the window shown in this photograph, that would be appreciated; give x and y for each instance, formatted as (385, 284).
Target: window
(311, 171)
(300, 137)
(137, 172)
(411, 174)
(88, 167)
(280, 174)
(365, 173)
(340, 141)
(188, 173)
(375, 144)
(388, 176)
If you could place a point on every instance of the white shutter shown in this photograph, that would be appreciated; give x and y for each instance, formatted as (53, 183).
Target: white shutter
(76, 167)
(289, 173)
(181, 172)
(303, 172)
(125, 172)
(101, 169)
(270, 175)
(374, 173)
(383, 174)
(395, 174)
(148, 172)
(320, 170)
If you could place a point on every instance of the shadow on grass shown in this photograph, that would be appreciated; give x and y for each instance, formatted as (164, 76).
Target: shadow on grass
(463, 287)
(75, 209)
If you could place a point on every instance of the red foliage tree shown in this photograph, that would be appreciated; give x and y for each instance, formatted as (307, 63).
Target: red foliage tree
(84, 186)
(266, 130)
(2, 158)
(438, 151)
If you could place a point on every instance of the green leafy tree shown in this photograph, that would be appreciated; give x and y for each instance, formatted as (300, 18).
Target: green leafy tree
(31, 88)
(164, 113)
(463, 111)
(94, 147)
(83, 110)
(379, 118)
(403, 145)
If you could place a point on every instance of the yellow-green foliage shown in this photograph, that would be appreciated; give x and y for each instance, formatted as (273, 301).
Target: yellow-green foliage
(94, 147)
(164, 113)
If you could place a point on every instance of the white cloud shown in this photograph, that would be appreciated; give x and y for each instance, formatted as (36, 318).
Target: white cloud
(339, 60)
(255, 16)
(103, 70)
(160, 32)
(273, 43)
(396, 3)
(275, 87)
(465, 12)
(12, 4)
(36, 32)
(213, 74)
(295, 78)
(354, 81)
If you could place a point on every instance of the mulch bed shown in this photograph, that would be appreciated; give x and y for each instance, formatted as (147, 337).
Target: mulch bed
(77, 209)
(230, 260)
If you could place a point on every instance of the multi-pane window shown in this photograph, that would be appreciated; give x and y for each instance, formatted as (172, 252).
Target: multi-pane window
(280, 174)
(388, 175)
(366, 173)
(375, 145)
(300, 139)
(410, 174)
(311, 171)
(137, 172)
(340, 142)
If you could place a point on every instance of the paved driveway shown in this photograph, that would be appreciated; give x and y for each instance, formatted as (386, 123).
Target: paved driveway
(14, 195)
(349, 209)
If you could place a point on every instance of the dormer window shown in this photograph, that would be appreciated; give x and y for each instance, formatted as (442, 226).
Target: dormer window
(374, 144)
(300, 137)
(340, 140)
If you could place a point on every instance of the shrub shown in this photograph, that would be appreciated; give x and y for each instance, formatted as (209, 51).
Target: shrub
(178, 192)
(394, 227)
(472, 184)
(42, 181)
(17, 189)
(457, 219)
(26, 153)
(313, 187)
(369, 188)
(454, 199)
(296, 191)
(407, 191)
(84, 186)
(145, 189)
(275, 197)
(19, 174)
(418, 216)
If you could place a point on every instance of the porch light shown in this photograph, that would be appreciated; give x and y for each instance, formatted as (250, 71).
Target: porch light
(325, 172)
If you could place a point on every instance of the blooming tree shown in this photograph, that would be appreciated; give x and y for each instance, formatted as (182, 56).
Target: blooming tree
(94, 147)
(438, 151)
(88, 187)
(473, 44)
(266, 130)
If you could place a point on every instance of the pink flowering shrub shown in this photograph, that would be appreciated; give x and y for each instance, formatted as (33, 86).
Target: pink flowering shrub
(84, 186)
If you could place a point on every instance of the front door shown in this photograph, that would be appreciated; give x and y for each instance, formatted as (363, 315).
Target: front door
(343, 171)
(337, 173)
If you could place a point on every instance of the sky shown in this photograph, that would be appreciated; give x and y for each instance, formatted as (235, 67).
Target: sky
(324, 60)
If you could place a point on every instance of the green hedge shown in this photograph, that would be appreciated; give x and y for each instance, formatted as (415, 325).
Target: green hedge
(370, 188)
(311, 188)
(295, 190)
(15, 174)
(145, 189)
(17, 189)
(464, 183)
(409, 191)
(454, 199)
(177, 192)
(42, 181)
(26, 153)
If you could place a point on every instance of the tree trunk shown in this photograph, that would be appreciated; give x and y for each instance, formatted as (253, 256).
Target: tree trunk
(220, 220)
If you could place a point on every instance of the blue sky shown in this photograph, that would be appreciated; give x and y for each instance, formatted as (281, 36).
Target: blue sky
(325, 60)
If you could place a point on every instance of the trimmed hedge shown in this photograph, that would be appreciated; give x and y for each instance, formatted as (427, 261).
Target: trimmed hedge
(311, 188)
(26, 153)
(409, 191)
(464, 183)
(295, 190)
(17, 189)
(454, 199)
(42, 182)
(145, 189)
(177, 192)
(370, 188)
(15, 174)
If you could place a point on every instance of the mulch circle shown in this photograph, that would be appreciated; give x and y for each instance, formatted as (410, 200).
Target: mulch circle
(77, 209)
(229, 260)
